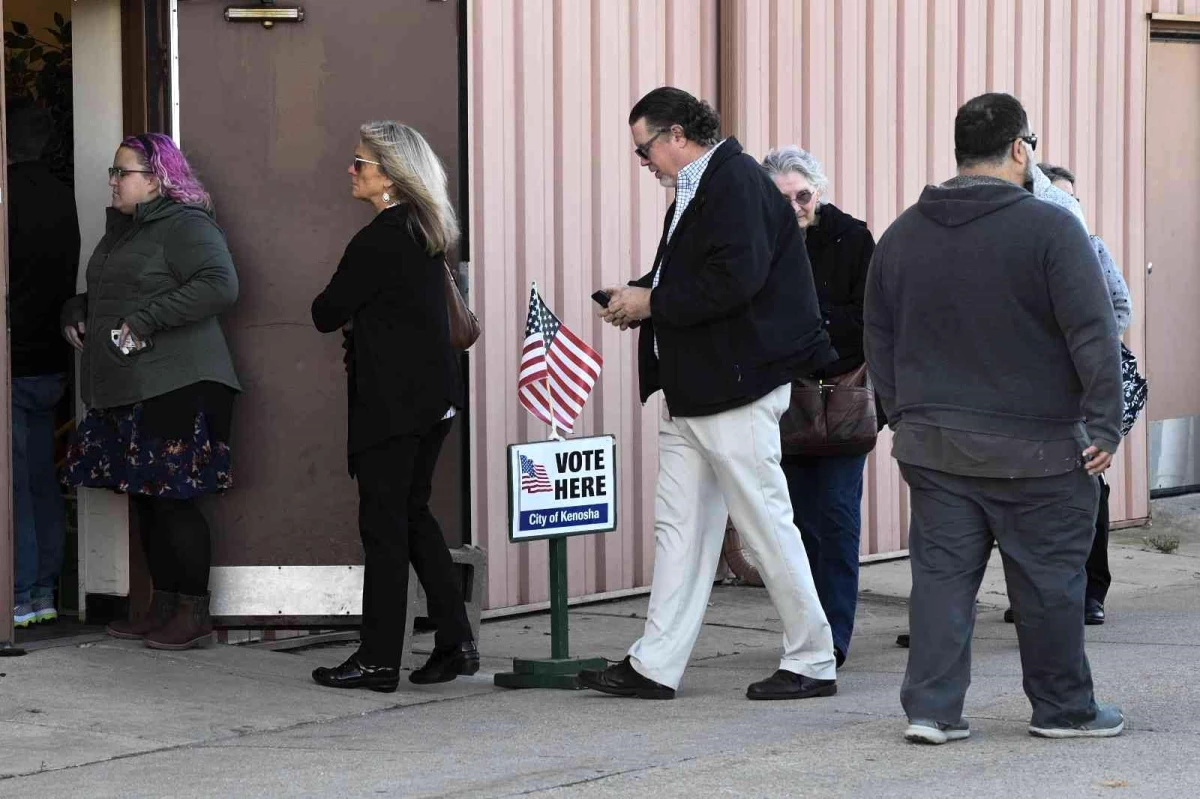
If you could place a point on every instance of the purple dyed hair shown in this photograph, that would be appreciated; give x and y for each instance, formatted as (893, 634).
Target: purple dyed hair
(179, 184)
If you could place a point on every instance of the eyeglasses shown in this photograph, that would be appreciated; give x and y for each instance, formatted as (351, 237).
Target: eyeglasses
(120, 173)
(642, 151)
(358, 162)
(1031, 140)
(802, 197)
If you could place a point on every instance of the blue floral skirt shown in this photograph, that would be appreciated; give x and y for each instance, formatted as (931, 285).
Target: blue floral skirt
(174, 445)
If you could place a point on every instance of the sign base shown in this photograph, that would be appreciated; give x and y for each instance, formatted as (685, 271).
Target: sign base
(549, 673)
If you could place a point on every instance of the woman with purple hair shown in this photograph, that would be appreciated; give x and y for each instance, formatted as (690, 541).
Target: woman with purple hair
(157, 377)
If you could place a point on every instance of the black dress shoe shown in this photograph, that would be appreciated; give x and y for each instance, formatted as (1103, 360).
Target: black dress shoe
(446, 664)
(1008, 617)
(839, 656)
(621, 679)
(356, 674)
(1093, 612)
(902, 640)
(789, 685)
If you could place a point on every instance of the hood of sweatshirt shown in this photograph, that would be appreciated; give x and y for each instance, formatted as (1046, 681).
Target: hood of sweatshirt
(962, 200)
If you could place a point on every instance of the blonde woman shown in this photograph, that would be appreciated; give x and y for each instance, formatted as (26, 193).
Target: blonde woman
(404, 389)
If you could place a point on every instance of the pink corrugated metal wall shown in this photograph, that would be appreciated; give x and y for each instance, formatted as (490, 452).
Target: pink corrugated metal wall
(872, 88)
(869, 87)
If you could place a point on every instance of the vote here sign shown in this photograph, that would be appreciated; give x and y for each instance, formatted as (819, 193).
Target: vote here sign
(561, 488)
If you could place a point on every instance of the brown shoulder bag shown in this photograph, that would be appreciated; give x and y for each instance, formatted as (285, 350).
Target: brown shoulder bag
(830, 416)
(464, 327)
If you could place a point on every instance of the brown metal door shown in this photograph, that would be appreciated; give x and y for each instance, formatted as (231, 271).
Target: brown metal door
(269, 117)
(1173, 247)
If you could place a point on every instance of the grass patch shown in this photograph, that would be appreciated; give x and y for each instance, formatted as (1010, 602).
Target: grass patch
(1165, 544)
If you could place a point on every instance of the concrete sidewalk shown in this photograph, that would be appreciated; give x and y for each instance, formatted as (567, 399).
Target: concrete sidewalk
(112, 719)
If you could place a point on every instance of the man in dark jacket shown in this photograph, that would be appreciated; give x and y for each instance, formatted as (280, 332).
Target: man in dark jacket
(728, 316)
(43, 260)
(990, 338)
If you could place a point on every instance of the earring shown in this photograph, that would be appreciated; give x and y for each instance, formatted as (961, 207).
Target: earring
(387, 198)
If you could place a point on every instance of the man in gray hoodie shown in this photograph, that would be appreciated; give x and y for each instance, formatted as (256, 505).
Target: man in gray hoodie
(991, 342)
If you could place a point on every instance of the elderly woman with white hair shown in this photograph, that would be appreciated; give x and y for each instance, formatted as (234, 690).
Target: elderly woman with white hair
(826, 491)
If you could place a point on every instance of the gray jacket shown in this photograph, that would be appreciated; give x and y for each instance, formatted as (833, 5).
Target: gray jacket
(165, 271)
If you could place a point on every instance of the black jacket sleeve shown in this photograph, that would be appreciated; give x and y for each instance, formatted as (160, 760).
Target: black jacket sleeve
(845, 321)
(354, 283)
(878, 338)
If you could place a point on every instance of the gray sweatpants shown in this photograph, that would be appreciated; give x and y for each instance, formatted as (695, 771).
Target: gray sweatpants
(1044, 527)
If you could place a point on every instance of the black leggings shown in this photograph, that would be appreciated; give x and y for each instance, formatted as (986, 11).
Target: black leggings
(175, 539)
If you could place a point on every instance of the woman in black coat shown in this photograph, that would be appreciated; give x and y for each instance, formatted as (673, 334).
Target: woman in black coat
(827, 491)
(388, 297)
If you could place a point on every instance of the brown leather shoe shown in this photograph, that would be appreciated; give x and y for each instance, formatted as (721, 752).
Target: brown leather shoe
(190, 626)
(162, 608)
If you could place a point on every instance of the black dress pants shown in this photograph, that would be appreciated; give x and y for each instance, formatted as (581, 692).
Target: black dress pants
(1098, 576)
(395, 480)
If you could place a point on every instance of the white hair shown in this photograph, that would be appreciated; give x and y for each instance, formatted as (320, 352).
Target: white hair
(791, 158)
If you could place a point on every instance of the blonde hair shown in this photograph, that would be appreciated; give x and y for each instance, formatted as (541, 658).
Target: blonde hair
(419, 177)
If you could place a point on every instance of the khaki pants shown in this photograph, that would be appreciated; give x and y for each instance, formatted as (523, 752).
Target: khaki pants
(711, 467)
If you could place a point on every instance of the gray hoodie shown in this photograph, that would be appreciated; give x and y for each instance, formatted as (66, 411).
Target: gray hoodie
(990, 336)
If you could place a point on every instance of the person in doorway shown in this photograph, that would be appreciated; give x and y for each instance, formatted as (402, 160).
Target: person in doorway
(157, 377)
(826, 492)
(404, 386)
(991, 342)
(728, 317)
(43, 257)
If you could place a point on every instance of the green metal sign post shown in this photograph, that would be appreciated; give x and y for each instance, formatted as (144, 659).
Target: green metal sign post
(557, 489)
(559, 670)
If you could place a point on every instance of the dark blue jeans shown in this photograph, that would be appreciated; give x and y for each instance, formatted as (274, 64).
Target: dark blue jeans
(37, 496)
(827, 504)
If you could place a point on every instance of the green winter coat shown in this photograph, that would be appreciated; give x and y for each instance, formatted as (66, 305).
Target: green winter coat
(166, 271)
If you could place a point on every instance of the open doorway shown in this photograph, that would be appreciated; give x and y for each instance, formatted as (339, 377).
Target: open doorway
(92, 71)
(43, 256)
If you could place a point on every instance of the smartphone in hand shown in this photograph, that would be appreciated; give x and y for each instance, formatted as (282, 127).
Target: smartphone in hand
(130, 347)
(601, 298)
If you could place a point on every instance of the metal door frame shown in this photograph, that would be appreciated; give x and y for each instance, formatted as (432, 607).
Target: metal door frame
(7, 556)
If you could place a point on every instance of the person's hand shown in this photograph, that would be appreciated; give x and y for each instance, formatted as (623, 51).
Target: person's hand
(626, 306)
(127, 336)
(74, 334)
(1096, 461)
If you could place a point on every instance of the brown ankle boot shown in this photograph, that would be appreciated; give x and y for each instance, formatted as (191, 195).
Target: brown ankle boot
(189, 627)
(162, 607)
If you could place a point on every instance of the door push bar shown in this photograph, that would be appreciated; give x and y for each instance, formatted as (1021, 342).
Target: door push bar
(266, 13)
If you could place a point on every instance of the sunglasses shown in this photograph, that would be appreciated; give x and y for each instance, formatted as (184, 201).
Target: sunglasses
(119, 173)
(358, 162)
(802, 197)
(1031, 140)
(642, 151)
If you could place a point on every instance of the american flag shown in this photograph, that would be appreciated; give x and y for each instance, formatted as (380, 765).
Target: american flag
(557, 369)
(533, 477)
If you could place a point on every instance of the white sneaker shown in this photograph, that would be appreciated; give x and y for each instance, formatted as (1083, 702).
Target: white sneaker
(935, 732)
(44, 610)
(1108, 723)
(23, 615)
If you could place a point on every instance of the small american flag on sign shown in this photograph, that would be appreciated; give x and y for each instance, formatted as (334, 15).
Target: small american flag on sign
(558, 371)
(534, 479)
